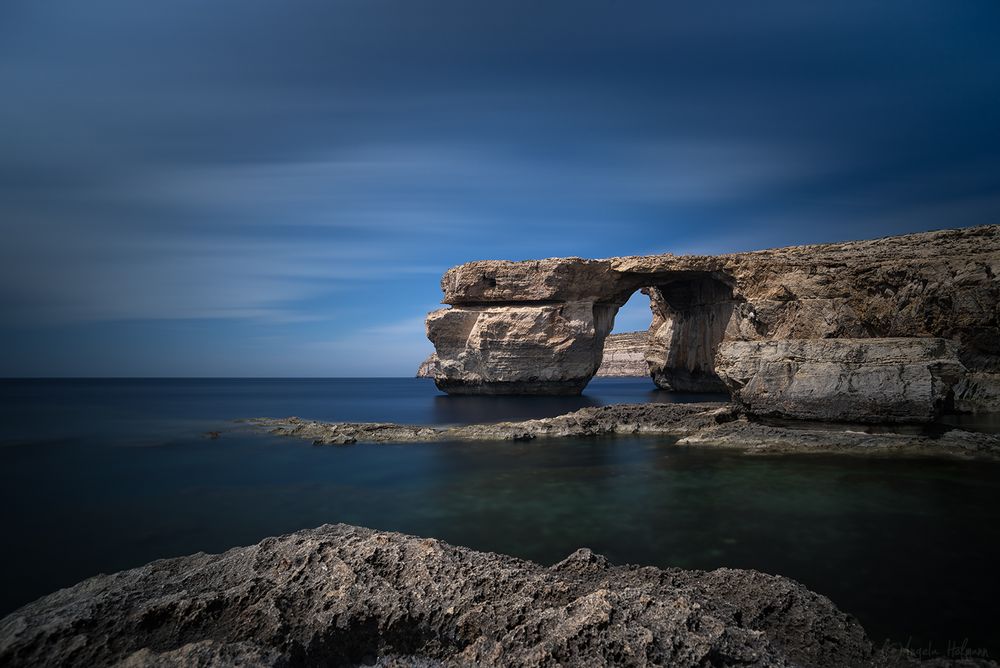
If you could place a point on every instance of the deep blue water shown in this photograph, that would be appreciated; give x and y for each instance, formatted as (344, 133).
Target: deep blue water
(96, 476)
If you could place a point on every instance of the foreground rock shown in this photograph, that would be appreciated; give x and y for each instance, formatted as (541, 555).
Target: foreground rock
(539, 327)
(344, 595)
(697, 424)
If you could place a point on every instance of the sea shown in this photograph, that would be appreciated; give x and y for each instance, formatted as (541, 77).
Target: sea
(102, 475)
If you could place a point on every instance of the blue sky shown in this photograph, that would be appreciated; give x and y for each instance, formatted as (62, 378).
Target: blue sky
(247, 188)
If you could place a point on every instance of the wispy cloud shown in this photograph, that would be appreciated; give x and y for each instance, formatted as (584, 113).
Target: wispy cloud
(306, 176)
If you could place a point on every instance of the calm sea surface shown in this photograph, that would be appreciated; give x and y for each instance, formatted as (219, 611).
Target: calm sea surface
(96, 476)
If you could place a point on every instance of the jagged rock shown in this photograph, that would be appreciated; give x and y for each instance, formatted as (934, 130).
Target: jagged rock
(429, 367)
(978, 392)
(540, 326)
(856, 380)
(344, 595)
(204, 654)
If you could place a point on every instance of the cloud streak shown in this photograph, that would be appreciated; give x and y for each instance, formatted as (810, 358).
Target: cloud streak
(293, 181)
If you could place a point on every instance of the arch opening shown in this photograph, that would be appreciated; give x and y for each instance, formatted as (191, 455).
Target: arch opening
(691, 315)
(623, 353)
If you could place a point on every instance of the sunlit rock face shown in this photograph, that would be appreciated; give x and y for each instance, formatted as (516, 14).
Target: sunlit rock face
(858, 380)
(521, 349)
(624, 356)
(428, 368)
(539, 327)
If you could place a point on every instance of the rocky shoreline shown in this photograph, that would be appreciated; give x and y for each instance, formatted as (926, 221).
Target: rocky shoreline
(694, 424)
(345, 595)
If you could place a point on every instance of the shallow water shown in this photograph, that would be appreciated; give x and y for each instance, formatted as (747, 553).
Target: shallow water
(96, 476)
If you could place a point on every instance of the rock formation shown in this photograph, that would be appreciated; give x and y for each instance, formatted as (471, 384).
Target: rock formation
(857, 380)
(539, 327)
(428, 368)
(710, 424)
(660, 419)
(624, 357)
(343, 595)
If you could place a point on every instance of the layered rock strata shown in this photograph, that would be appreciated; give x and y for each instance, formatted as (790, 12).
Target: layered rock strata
(759, 438)
(624, 357)
(344, 595)
(539, 327)
(859, 380)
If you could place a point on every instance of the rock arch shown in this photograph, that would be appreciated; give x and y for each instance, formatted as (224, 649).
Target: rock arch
(780, 329)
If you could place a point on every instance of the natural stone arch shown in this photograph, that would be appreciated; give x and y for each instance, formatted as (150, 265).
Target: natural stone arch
(869, 330)
(547, 345)
(691, 311)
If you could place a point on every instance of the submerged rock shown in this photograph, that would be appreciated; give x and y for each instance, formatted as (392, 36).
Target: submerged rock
(665, 419)
(695, 424)
(344, 595)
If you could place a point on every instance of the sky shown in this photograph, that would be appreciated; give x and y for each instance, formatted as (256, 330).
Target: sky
(251, 188)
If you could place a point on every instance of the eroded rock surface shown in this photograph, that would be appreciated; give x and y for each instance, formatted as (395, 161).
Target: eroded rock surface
(663, 419)
(520, 349)
(540, 326)
(428, 368)
(624, 357)
(700, 424)
(344, 595)
(858, 380)
(758, 438)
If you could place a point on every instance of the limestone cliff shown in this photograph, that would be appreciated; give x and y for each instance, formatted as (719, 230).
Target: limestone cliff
(624, 356)
(540, 326)
(428, 367)
(859, 380)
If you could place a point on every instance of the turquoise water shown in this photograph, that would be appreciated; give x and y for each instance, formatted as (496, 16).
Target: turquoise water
(99, 476)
